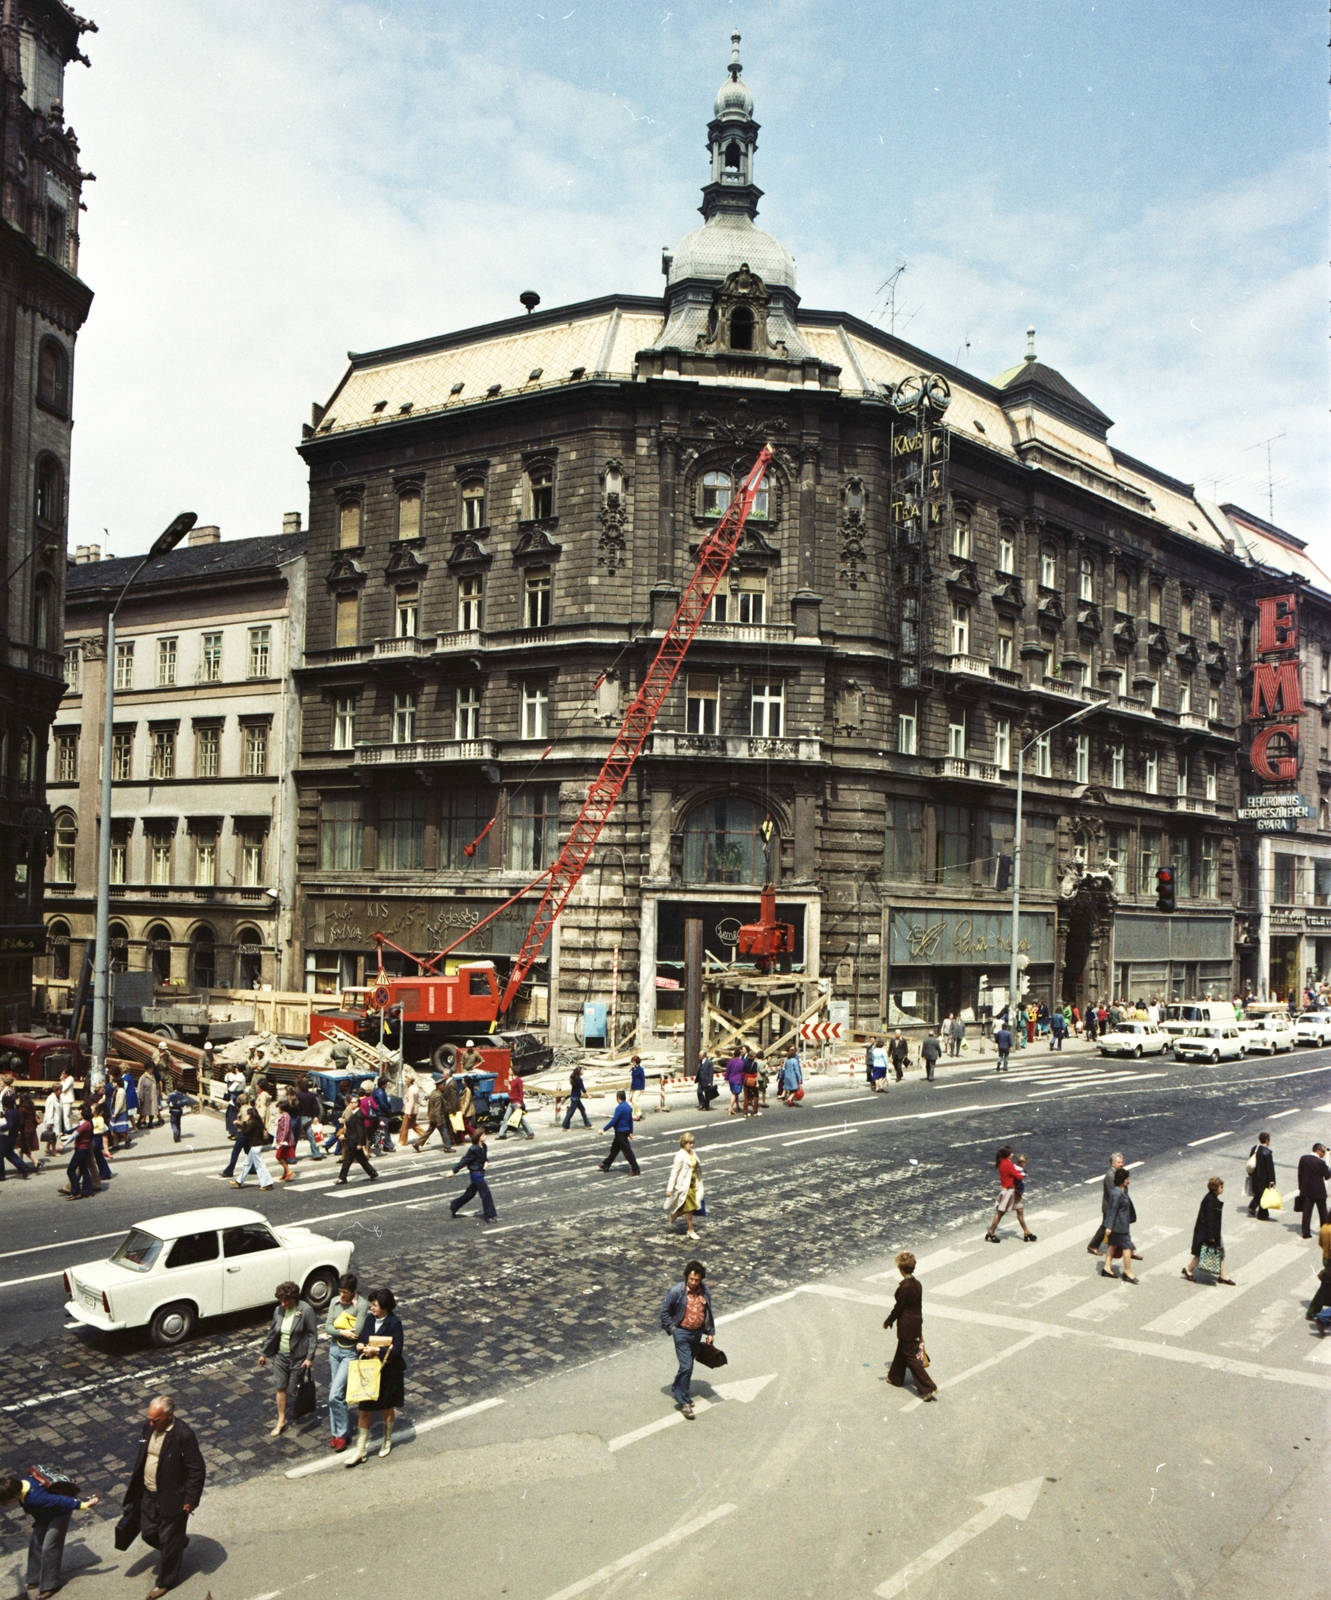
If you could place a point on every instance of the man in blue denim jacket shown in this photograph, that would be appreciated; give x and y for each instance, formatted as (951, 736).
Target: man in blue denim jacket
(50, 1515)
(621, 1120)
(686, 1315)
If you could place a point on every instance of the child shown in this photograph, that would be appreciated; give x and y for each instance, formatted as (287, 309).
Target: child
(176, 1102)
(1020, 1185)
(284, 1141)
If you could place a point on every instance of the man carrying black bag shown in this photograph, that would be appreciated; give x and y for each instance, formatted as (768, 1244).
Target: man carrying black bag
(686, 1315)
(166, 1485)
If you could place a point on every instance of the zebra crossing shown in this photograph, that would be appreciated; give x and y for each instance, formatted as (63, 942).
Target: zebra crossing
(1052, 1071)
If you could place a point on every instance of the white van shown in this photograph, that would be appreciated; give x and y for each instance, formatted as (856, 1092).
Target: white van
(1177, 1019)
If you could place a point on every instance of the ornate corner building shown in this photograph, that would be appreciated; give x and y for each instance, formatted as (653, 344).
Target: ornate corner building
(937, 572)
(43, 304)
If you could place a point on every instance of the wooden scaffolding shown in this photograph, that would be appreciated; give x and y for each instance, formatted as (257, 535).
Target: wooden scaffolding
(769, 1022)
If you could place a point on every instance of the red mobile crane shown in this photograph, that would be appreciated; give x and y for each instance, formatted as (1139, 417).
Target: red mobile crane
(437, 1010)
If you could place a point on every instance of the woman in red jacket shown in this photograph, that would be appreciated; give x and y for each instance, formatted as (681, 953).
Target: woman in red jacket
(1009, 1197)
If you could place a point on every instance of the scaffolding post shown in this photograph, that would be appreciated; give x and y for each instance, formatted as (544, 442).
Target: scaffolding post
(693, 937)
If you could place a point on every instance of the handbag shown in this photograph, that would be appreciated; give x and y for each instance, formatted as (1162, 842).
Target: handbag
(1251, 1165)
(1209, 1258)
(306, 1394)
(924, 1356)
(1271, 1200)
(127, 1529)
(709, 1355)
(362, 1381)
(455, 1121)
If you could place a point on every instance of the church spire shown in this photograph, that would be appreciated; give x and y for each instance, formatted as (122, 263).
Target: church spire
(732, 139)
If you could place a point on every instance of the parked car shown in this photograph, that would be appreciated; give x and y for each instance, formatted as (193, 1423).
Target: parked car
(1209, 1041)
(1270, 1035)
(1134, 1039)
(1313, 1027)
(169, 1272)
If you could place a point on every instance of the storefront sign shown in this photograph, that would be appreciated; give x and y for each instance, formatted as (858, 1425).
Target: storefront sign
(1255, 807)
(346, 922)
(965, 938)
(1277, 690)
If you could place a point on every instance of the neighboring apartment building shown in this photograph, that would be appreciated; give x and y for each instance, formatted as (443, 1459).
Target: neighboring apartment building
(202, 843)
(43, 305)
(501, 520)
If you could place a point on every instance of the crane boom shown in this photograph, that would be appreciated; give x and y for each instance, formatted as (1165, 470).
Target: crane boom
(714, 559)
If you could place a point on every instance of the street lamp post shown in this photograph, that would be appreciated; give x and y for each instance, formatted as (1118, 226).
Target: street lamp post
(101, 1001)
(1018, 1034)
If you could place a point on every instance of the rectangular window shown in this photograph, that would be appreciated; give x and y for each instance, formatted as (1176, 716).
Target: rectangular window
(1213, 707)
(166, 663)
(1216, 615)
(1326, 673)
(1181, 855)
(205, 859)
(1284, 880)
(1155, 596)
(1185, 695)
(1321, 880)
(1044, 757)
(256, 749)
(211, 662)
(961, 630)
(402, 830)
(67, 758)
(910, 625)
(122, 756)
(1153, 693)
(961, 539)
(1007, 552)
(533, 828)
(1209, 887)
(1082, 758)
(752, 600)
(404, 717)
(956, 734)
(1122, 591)
(907, 731)
(1086, 580)
(1181, 777)
(125, 665)
(1212, 778)
(766, 710)
(470, 592)
(1148, 862)
(261, 642)
(1038, 852)
(1185, 614)
(996, 830)
(903, 852)
(536, 598)
(535, 711)
(408, 611)
(541, 483)
(1152, 772)
(348, 524)
(164, 753)
(952, 844)
(467, 712)
(340, 833)
(1048, 570)
(207, 752)
(119, 858)
(344, 722)
(251, 859)
(1116, 858)
(159, 856)
(1003, 742)
(346, 619)
(473, 503)
(1005, 644)
(1117, 766)
(409, 514)
(466, 812)
(73, 669)
(702, 699)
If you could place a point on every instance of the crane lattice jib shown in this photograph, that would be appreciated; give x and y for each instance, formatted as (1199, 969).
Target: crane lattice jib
(714, 559)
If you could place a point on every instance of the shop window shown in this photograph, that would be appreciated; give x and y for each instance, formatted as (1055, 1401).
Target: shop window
(723, 843)
(340, 833)
(533, 827)
(903, 852)
(402, 831)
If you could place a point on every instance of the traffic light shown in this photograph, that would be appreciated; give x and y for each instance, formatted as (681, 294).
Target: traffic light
(1004, 873)
(1164, 889)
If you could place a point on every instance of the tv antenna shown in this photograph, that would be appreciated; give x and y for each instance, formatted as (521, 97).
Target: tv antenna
(889, 287)
(1270, 479)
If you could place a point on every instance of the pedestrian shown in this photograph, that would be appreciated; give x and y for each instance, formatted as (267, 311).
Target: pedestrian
(355, 1138)
(908, 1316)
(792, 1077)
(957, 1035)
(438, 1113)
(1208, 1246)
(1322, 1298)
(1003, 1043)
(1118, 1232)
(306, 1111)
(474, 1158)
(292, 1341)
(684, 1187)
(898, 1053)
(1009, 1175)
(284, 1142)
(1097, 1238)
(148, 1100)
(621, 1121)
(117, 1123)
(237, 1139)
(82, 1170)
(167, 1484)
(411, 1104)
(576, 1090)
(515, 1112)
(637, 1086)
(250, 1132)
(749, 1080)
(735, 1080)
(1032, 1018)
(50, 1513)
(28, 1144)
(50, 1128)
(686, 1315)
(466, 1107)
(930, 1050)
(763, 1079)
(1261, 1175)
(9, 1134)
(876, 1061)
(706, 1082)
(382, 1341)
(1058, 1028)
(1313, 1173)
(176, 1103)
(345, 1327)
(471, 1059)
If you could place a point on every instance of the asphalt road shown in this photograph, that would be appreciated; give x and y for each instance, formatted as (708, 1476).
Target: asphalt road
(577, 1266)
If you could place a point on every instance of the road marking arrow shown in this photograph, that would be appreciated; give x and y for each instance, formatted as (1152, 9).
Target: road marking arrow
(743, 1389)
(1017, 1501)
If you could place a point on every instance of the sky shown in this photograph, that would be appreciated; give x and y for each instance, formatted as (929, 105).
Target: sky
(281, 181)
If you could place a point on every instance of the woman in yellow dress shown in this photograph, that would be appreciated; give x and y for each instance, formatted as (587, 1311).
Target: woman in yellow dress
(684, 1190)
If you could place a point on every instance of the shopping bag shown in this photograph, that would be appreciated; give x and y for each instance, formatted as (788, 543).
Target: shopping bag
(455, 1122)
(710, 1356)
(306, 1394)
(1209, 1258)
(362, 1382)
(1271, 1200)
(515, 1117)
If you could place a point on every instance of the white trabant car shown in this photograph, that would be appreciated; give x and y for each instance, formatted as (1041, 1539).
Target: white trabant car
(1269, 1035)
(170, 1271)
(1134, 1039)
(1209, 1041)
(1313, 1027)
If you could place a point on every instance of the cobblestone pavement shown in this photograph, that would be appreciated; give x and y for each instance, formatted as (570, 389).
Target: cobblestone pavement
(580, 1264)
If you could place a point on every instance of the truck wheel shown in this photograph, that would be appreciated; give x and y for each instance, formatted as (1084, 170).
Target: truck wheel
(164, 1030)
(173, 1324)
(320, 1287)
(445, 1055)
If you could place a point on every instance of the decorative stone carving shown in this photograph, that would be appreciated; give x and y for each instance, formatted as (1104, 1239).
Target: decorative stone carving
(534, 542)
(739, 427)
(1088, 620)
(405, 563)
(852, 569)
(467, 553)
(738, 317)
(612, 542)
(1049, 608)
(1008, 599)
(344, 569)
(848, 714)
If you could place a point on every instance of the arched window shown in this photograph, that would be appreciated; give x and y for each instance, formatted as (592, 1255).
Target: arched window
(53, 376)
(961, 538)
(203, 958)
(1086, 580)
(118, 939)
(733, 156)
(48, 500)
(57, 942)
(723, 843)
(249, 958)
(715, 494)
(159, 952)
(741, 328)
(66, 838)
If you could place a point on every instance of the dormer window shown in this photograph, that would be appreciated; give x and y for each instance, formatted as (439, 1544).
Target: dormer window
(741, 328)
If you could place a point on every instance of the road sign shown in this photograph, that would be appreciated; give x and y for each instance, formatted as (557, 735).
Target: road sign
(379, 997)
(820, 1032)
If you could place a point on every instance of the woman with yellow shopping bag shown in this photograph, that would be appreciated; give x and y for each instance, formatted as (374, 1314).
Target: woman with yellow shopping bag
(375, 1380)
(1262, 1180)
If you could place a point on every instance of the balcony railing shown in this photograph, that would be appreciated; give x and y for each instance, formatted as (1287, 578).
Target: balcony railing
(404, 647)
(29, 658)
(426, 750)
(975, 771)
(748, 632)
(732, 749)
(1203, 808)
(1190, 719)
(972, 666)
(466, 639)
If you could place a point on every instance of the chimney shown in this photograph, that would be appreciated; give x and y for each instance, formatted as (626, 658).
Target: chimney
(291, 522)
(209, 535)
(83, 553)
(94, 552)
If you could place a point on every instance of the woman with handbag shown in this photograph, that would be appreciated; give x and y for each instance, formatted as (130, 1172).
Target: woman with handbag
(684, 1190)
(1118, 1228)
(292, 1340)
(908, 1315)
(1261, 1177)
(1208, 1248)
(382, 1344)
